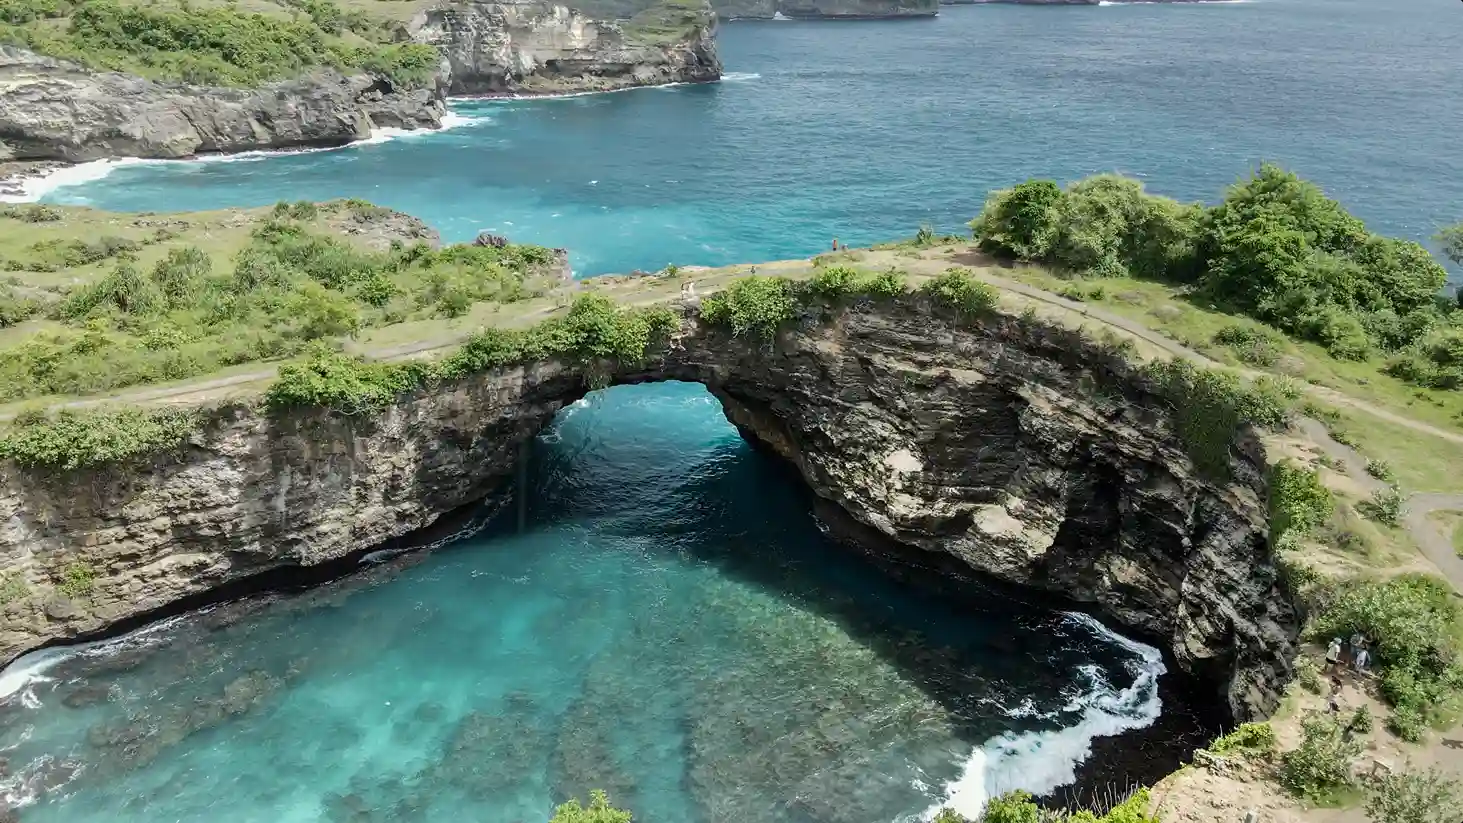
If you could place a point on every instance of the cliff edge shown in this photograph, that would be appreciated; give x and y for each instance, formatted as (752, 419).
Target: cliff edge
(536, 47)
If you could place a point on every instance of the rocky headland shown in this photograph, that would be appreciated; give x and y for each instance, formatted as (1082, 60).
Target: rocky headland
(59, 109)
(545, 48)
(1010, 448)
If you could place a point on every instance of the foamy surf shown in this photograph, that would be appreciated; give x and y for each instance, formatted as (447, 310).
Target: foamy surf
(27, 671)
(1041, 762)
(34, 188)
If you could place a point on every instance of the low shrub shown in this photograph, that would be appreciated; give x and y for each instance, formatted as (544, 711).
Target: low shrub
(75, 439)
(1252, 345)
(599, 810)
(1410, 797)
(752, 306)
(1319, 770)
(77, 580)
(834, 282)
(1299, 503)
(1381, 470)
(1248, 738)
(1210, 405)
(956, 289)
(1385, 506)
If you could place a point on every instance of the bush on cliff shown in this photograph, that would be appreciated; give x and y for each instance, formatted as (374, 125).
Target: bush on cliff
(1210, 405)
(752, 306)
(192, 314)
(593, 330)
(217, 45)
(956, 289)
(599, 810)
(1411, 797)
(80, 439)
(1319, 769)
(1020, 807)
(1415, 627)
(1299, 503)
(1276, 249)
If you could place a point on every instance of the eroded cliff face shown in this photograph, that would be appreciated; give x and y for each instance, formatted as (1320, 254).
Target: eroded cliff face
(54, 110)
(824, 9)
(1006, 448)
(537, 47)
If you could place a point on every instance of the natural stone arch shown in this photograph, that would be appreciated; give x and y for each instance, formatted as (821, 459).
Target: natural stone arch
(1008, 447)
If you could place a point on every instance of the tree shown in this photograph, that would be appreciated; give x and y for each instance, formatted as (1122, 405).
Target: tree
(1415, 798)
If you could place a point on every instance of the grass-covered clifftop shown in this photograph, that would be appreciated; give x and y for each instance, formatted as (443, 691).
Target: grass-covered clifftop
(95, 302)
(214, 43)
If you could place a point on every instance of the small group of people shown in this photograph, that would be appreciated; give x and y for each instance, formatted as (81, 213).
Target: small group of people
(1356, 651)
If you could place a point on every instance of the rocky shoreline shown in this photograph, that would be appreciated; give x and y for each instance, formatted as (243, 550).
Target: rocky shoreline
(56, 110)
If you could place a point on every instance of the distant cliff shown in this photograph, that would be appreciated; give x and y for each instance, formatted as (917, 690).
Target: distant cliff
(823, 9)
(57, 110)
(539, 47)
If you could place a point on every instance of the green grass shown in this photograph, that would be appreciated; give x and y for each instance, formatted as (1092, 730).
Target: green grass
(217, 43)
(179, 297)
(1171, 311)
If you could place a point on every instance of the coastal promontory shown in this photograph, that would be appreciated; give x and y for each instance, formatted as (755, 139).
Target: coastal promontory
(86, 80)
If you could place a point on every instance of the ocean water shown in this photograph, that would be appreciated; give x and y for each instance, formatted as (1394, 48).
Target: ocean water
(863, 130)
(671, 626)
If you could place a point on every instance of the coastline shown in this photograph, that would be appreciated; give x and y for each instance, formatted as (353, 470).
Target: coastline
(28, 181)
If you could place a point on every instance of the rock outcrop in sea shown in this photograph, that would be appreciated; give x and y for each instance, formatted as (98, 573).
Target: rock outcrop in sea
(1008, 448)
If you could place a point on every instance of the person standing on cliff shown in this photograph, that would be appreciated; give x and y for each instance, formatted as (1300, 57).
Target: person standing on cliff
(1333, 653)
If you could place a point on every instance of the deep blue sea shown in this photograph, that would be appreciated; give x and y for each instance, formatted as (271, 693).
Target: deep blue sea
(672, 625)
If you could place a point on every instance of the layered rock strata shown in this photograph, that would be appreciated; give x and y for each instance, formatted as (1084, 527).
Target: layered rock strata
(1006, 448)
(55, 110)
(543, 48)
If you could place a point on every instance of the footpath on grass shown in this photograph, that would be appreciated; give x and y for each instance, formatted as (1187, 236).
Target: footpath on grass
(640, 291)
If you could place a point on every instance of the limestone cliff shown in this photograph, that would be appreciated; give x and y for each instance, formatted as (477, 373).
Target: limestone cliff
(1007, 448)
(539, 47)
(824, 9)
(54, 110)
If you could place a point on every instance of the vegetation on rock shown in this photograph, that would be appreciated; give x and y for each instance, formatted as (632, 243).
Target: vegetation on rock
(214, 45)
(1020, 807)
(1319, 770)
(78, 439)
(1415, 627)
(1248, 738)
(599, 810)
(1299, 504)
(1275, 249)
(1210, 405)
(1411, 797)
(287, 288)
(594, 329)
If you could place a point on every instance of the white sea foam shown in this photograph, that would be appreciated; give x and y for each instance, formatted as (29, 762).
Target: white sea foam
(740, 76)
(1042, 761)
(27, 671)
(34, 188)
